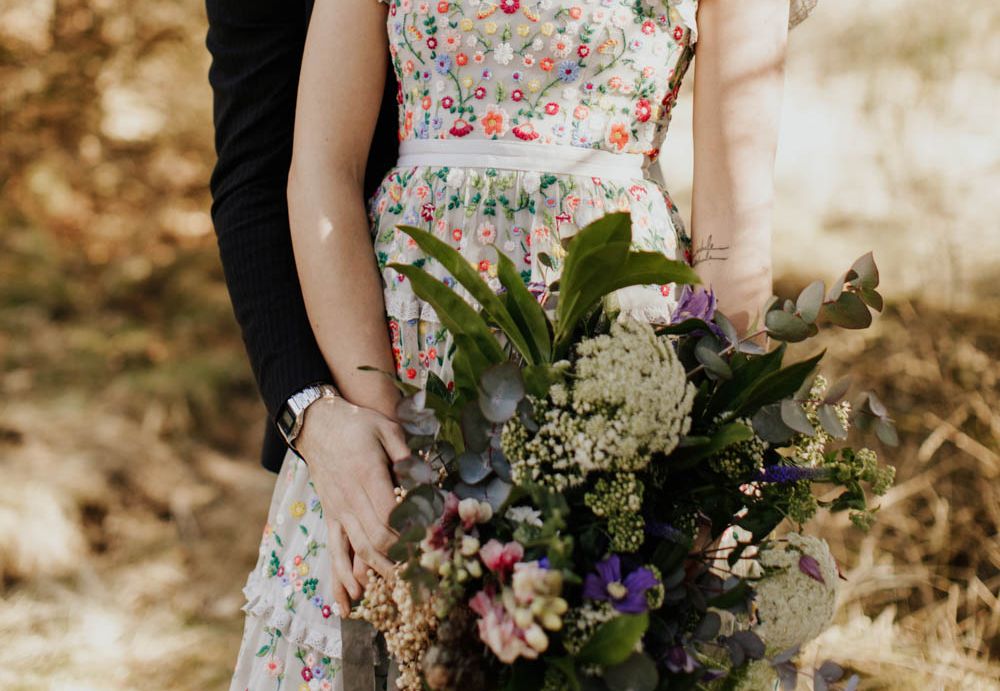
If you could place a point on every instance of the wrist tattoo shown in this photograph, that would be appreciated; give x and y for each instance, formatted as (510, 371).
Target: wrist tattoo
(709, 251)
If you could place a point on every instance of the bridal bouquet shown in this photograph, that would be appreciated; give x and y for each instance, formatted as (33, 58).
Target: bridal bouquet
(594, 504)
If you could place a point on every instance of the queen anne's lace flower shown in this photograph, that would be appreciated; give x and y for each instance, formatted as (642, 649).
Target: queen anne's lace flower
(630, 398)
(795, 600)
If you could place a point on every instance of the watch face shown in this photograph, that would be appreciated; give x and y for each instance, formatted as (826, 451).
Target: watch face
(286, 420)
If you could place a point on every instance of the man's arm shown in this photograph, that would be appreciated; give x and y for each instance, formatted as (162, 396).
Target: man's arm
(256, 48)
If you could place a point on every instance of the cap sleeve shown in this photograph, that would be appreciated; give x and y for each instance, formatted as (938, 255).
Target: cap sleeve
(800, 9)
(687, 9)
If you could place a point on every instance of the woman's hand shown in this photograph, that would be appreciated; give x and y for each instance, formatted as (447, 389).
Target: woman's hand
(349, 449)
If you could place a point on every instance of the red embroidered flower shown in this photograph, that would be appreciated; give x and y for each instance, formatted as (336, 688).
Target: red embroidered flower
(460, 128)
(516, 95)
(427, 211)
(432, 42)
(326, 611)
(665, 290)
(425, 103)
(456, 234)
(648, 27)
(443, 7)
(480, 92)
(411, 373)
(281, 571)
(678, 33)
(447, 102)
(484, 265)
(307, 674)
(547, 64)
(643, 111)
(526, 132)
(510, 6)
(551, 108)
(583, 50)
(461, 59)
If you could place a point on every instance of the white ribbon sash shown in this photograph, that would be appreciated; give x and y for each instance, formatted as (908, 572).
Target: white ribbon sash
(559, 159)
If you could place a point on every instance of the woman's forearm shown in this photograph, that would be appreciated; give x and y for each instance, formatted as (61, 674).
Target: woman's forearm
(341, 286)
(340, 90)
(738, 84)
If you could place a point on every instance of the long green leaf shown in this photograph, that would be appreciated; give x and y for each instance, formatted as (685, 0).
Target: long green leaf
(614, 640)
(459, 267)
(777, 385)
(524, 309)
(607, 238)
(455, 313)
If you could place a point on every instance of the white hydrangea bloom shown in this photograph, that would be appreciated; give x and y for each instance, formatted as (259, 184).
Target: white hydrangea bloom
(792, 607)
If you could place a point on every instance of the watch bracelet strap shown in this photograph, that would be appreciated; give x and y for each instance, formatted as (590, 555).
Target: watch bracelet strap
(328, 390)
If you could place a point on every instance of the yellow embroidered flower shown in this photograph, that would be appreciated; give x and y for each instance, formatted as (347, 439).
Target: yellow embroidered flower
(467, 82)
(547, 28)
(303, 569)
(466, 24)
(534, 85)
(523, 30)
(490, 28)
(297, 509)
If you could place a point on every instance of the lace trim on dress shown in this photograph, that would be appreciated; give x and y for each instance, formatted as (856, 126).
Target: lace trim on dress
(797, 13)
(268, 604)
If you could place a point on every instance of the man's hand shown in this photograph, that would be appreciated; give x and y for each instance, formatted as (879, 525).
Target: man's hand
(348, 450)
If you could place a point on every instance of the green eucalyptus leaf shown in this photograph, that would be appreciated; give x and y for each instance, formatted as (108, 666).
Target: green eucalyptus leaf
(872, 298)
(728, 330)
(867, 272)
(501, 389)
(769, 426)
(793, 415)
(473, 467)
(849, 311)
(615, 640)
(886, 431)
(706, 351)
(827, 415)
(785, 326)
(810, 301)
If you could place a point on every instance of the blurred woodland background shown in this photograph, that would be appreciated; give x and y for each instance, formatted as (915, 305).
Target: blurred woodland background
(126, 531)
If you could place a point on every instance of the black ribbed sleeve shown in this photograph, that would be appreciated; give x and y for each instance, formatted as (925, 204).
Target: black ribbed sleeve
(256, 48)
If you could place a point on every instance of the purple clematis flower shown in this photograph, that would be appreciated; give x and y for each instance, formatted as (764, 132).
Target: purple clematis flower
(697, 303)
(628, 594)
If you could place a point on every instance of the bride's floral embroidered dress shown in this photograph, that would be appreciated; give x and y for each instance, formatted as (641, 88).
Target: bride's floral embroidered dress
(521, 121)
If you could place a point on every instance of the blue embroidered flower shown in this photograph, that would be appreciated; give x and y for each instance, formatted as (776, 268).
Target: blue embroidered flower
(568, 71)
(442, 63)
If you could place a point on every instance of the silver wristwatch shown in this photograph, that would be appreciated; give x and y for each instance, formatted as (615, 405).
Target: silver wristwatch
(293, 412)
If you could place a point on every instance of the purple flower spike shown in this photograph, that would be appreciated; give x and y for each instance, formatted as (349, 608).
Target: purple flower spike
(628, 594)
(787, 473)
